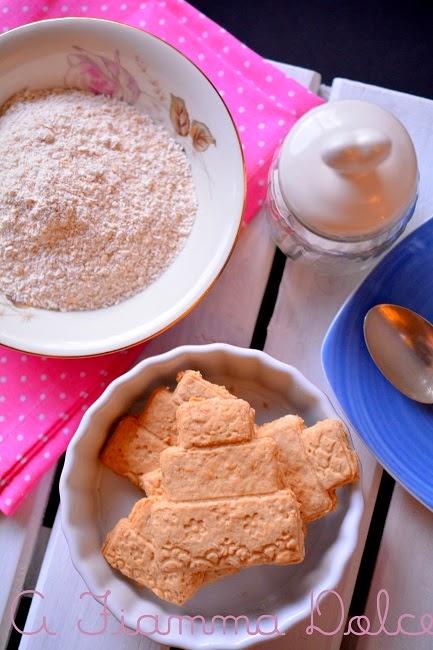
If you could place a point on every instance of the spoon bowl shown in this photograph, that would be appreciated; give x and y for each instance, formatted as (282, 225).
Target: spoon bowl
(400, 342)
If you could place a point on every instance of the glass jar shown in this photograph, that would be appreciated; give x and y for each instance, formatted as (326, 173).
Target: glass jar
(343, 185)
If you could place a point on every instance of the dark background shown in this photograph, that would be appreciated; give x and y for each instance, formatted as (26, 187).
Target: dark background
(380, 42)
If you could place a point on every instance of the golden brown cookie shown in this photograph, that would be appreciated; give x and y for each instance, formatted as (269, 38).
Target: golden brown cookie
(225, 471)
(298, 473)
(131, 450)
(151, 483)
(214, 421)
(328, 449)
(191, 384)
(159, 415)
(227, 533)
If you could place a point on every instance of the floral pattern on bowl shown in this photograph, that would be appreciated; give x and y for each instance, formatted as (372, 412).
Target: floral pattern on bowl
(102, 75)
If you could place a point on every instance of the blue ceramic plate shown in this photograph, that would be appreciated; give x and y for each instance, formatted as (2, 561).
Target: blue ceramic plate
(398, 430)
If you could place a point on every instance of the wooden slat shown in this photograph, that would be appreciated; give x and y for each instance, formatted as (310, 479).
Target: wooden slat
(306, 305)
(17, 539)
(228, 314)
(405, 569)
(405, 562)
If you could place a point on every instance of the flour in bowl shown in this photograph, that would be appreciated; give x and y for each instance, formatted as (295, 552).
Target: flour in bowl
(96, 200)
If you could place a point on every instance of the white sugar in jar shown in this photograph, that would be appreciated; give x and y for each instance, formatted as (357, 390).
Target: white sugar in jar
(344, 183)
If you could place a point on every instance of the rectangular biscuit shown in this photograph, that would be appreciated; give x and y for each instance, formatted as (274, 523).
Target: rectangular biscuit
(132, 450)
(159, 415)
(296, 470)
(227, 533)
(214, 421)
(328, 449)
(215, 472)
(151, 483)
(191, 384)
(131, 552)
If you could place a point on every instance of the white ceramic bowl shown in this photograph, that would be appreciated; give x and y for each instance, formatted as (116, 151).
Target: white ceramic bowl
(145, 71)
(93, 499)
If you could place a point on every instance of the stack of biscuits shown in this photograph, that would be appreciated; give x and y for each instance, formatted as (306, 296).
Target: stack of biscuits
(222, 493)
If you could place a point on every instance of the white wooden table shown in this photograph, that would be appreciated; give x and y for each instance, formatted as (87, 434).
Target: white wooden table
(34, 556)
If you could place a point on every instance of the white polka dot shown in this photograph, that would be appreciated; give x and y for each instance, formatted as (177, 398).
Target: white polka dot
(222, 30)
(2, 418)
(84, 394)
(240, 90)
(247, 64)
(104, 7)
(84, 407)
(204, 34)
(226, 49)
(162, 3)
(241, 109)
(183, 20)
(103, 384)
(84, 8)
(62, 395)
(18, 456)
(142, 23)
(260, 201)
(8, 501)
(1, 438)
(272, 98)
(2, 398)
(23, 460)
(260, 144)
(279, 105)
(63, 375)
(25, 9)
(123, 6)
(261, 182)
(143, 5)
(3, 379)
(5, 10)
(20, 437)
(293, 111)
(291, 93)
(42, 396)
(181, 39)
(45, 8)
(242, 128)
(261, 162)
(161, 21)
(64, 8)
(281, 122)
(221, 92)
(47, 454)
(3, 360)
(23, 358)
(23, 398)
(41, 416)
(260, 107)
(261, 125)
(21, 418)
(103, 372)
(200, 56)
(23, 378)
(268, 78)
(65, 430)
(27, 478)
(44, 377)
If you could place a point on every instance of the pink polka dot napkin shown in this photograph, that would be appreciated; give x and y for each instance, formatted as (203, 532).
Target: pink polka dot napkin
(42, 400)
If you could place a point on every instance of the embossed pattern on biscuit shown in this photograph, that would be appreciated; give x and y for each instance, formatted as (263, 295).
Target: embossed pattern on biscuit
(227, 533)
(297, 471)
(214, 421)
(190, 383)
(132, 450)
(328, 449)
(159, 415)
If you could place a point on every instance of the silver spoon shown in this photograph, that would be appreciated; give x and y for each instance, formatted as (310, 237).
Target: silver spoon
(400, 342)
